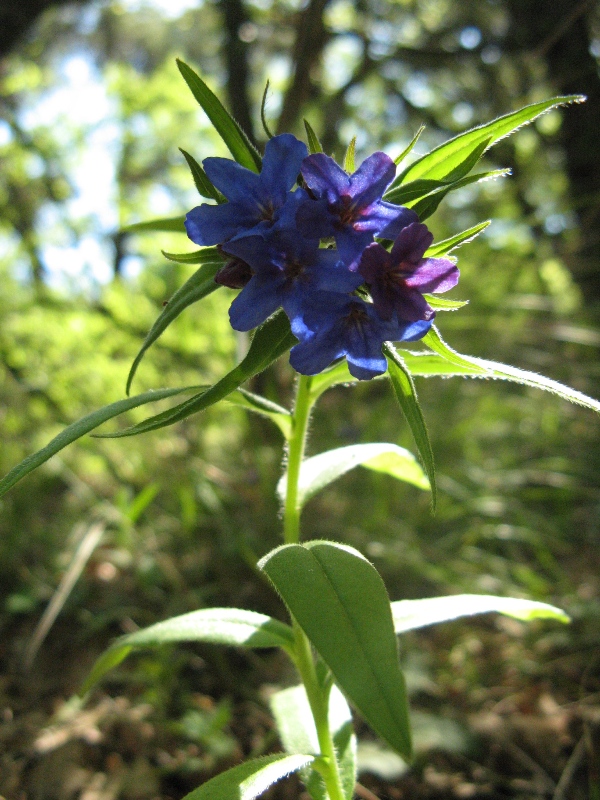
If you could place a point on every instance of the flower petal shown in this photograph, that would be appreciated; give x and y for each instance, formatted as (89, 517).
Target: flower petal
(325, 177)
(434, 275)
(255, 303)
(411, 244)
(371, 179)
(207, 225)
(237, 183)
(281, 165)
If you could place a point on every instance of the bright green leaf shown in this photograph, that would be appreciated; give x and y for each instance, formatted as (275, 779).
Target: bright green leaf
(425, 207)
(406, 395)
(251, 779)
(230, 626)
(442, 304)
(314, 145)
(349, 158)
(399, 159)
(266, 408)
(80, 428)
(201, 180)
(411, 614)
(199, 285)
(206, 255)
(234, 137)
(270, 341)
(444, 159)
(166, 225)
(447, 245)
(339, 600)
(298, 734)
(321, 470)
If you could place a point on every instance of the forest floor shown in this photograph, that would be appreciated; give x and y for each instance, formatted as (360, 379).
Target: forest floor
(500, 713)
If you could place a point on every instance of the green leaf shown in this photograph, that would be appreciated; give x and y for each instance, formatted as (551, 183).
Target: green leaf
(266, 408)
(234, 137)
(399, 159)
(349, 158)
(201, 180)
(442, 161)
(321, 470)
(206, 255)
(406, 395)
(298, 734)
(441, 304)
(411, 614)
(339, 600)
(425, 207)
(166, 224)
(449, 362)
(230, 626)
(199, 285)
(251, 779)
(447, 245)
(80, 428)
(314, 145)
(263, 116)
(270, 341)
(409, 193)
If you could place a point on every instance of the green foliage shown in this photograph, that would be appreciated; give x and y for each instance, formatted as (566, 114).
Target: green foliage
(341, 604)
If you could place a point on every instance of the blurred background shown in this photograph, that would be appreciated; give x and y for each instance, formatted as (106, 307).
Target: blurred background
(119, 534)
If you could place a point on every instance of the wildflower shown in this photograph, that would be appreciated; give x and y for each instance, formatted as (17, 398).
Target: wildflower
(397, 279)
(287, 271)
(349, 207)
(334, 325)
(255, 201)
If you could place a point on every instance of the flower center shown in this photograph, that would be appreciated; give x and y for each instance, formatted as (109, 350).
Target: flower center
(345, 210)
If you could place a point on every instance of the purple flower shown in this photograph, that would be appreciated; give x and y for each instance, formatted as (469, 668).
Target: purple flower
(333, 325)
(397, 279)
(288, 270)
(349, 207)
(255, 201)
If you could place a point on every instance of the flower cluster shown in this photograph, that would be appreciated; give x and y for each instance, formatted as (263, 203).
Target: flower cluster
(345, 300)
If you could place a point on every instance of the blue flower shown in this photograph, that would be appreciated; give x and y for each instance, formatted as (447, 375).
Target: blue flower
(288, 270)
(349, 207)
(334, 325)
(397, 279)
(255, 201)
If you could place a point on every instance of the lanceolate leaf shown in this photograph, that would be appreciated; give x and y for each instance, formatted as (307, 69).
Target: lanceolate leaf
(411, 614)
(166, 224)
(447, 245)
(250, 779)
(201, 179)
(406, 395)
(80, 428)
(441, 162)
(442, 304)
(200, 285)
(409, 193)
(296, 728)
(231, 626)
(206, 255)
(425, 207)
(399, 159)
(234, 137)
(340, 602)
(266, 408)
(314, 145)
(319, 471)
(270, 341)
(349, 165)
(481, 368)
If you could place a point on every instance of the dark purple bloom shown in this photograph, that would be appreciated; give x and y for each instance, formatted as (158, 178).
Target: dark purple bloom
(255, 201)
(397, 279)
(288, 270)
(349, 207)
(333, 325)
(235, 274)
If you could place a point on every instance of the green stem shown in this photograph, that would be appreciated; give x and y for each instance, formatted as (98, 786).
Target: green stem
(318, 697)
(291, 519)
